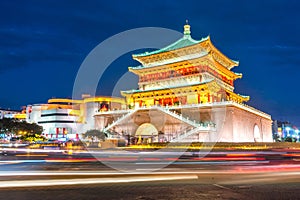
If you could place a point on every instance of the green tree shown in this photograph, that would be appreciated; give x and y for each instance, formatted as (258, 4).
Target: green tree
(27, 131)
(94, 133)
(19, 127)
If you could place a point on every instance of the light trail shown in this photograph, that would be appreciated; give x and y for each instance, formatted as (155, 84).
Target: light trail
(57, 182)
(124, 152)
(275, 177)
(169, 172)
(205, 162)
(204, 177)
(21, 161)
(32, 155)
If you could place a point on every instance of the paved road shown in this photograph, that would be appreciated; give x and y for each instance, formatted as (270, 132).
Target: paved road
(183, 190)
(219, 175)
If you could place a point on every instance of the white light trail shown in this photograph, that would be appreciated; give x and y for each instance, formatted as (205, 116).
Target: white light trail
(57, 182)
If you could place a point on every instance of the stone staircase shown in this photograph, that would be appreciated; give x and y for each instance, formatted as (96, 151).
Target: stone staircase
(180, 117)
(196, 126)
(185, 134)
(114, 123)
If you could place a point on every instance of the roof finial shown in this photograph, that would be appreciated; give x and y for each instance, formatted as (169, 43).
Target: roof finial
(186, 22)
(187, 28)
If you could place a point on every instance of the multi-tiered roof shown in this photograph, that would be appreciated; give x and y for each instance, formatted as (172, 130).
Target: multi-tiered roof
(186, 63)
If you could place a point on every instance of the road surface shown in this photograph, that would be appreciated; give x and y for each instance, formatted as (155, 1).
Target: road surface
(81, 175)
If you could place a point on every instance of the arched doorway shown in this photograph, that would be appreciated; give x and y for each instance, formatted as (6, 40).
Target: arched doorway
(146, 133)
(256, 133)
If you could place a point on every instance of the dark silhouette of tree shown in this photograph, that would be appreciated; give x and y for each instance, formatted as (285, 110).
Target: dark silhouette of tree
(288, 139)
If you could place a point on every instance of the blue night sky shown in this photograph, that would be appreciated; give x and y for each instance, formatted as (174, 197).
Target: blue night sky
(43, 43)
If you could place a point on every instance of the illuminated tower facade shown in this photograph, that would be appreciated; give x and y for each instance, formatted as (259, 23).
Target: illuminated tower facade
(186, 72)
(186, 93)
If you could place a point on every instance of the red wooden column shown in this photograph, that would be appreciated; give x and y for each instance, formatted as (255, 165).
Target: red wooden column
(57, 132)
(64, 130)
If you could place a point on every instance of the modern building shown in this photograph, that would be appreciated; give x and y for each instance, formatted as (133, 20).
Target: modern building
(284, 130)
(13, 114)
(186, 93)
(67, 118)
